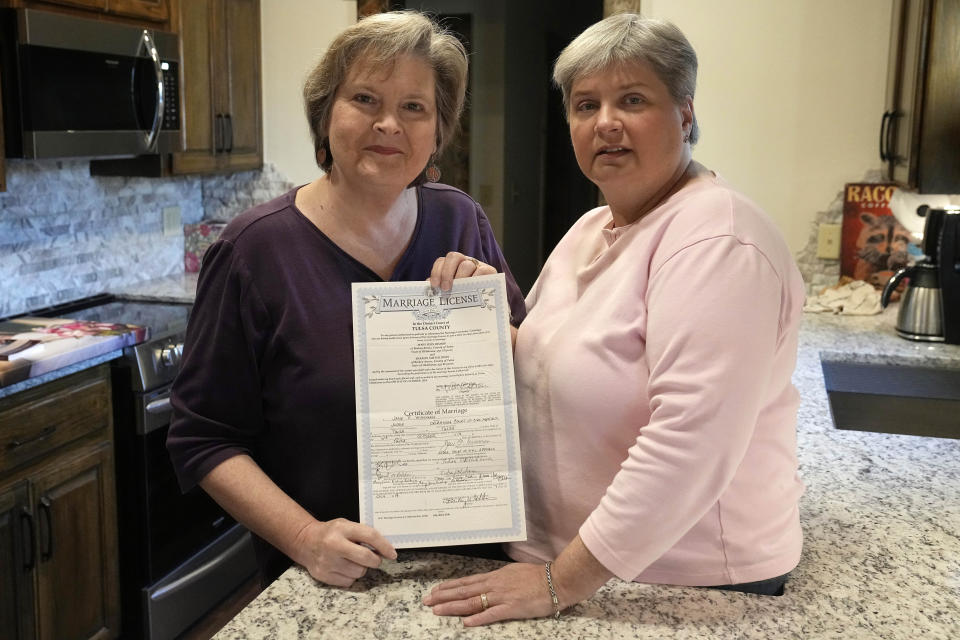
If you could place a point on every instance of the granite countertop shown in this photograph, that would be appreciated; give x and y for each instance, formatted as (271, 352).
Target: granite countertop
(64, 347)
(881, 558)
(179, 288)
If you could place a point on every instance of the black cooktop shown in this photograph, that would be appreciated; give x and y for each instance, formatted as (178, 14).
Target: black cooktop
(161, 318)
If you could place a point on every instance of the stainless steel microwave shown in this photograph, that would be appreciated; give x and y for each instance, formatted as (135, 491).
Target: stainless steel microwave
(76, 87)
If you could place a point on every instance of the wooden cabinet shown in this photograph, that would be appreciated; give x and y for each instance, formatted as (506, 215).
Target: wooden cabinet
(920, 128)
(155, 10)
(77, 584)
(221, 112)
(94, 5)
(17, 562)
(58, 528)
(151, 10)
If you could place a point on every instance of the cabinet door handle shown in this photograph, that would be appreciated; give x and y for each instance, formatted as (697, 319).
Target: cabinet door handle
(883, 134)
(26, 518)
(218, 134)
(891, 131)
(46, 433)
(229, 126)
(45, 509)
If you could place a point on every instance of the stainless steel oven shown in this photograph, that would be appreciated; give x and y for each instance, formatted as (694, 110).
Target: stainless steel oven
(180, 554)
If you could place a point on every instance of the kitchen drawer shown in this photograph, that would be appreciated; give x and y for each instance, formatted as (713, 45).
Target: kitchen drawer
(36, 422)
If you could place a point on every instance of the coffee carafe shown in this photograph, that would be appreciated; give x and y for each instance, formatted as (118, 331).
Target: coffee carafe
(930, 308)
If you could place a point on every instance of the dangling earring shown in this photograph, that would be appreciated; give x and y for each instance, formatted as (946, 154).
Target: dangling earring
(432, 173)
(323, 153)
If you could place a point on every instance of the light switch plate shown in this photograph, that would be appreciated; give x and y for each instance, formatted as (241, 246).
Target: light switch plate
(172, 224)
(828, 241)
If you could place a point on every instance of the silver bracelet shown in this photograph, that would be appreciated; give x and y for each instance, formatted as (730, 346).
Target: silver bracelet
(553, 593)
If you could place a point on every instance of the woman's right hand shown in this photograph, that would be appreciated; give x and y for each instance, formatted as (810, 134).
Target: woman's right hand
(335, 552)
(339, 551)
(456, 265)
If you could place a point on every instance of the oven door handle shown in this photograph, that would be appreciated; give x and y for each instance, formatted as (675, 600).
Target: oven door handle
(228, 555)
(161, 405)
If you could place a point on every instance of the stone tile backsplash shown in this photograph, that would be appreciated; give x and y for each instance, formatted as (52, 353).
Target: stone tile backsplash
(66, 235)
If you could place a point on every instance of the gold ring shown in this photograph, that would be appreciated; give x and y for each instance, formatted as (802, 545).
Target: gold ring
(483, 602)
(475, 262)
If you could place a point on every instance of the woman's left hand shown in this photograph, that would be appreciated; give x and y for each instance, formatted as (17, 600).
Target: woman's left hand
(456, 265)
(514, 592)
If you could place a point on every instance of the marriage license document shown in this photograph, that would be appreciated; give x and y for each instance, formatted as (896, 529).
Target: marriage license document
(437, 441)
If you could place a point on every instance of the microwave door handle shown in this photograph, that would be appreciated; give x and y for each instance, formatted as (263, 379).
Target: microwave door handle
(150, 139)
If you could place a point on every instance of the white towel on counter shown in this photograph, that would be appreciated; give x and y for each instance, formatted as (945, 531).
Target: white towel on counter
(857, 298)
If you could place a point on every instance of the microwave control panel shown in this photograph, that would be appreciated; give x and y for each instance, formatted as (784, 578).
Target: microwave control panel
(171, 96)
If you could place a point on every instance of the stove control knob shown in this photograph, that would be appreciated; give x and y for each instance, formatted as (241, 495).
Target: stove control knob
(170, 356)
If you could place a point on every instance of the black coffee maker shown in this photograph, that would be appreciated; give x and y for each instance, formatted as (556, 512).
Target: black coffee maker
(930, 308)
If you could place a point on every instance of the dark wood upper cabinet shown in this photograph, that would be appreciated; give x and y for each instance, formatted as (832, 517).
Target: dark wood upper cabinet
(95, 5)
(222, 120)
(128, 11)
(242, 88)
(920, 128)
(155, 10)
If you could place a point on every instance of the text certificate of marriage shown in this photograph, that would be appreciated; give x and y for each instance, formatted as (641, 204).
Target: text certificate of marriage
(437, 441)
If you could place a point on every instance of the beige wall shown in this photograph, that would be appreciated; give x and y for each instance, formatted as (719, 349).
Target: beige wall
(790, 96)
(294, 34)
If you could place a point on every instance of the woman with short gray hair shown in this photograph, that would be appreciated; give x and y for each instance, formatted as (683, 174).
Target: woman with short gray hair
(264, 411)
(626, 38)
(653, 369)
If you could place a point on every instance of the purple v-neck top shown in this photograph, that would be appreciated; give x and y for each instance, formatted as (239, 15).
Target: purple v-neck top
(267, 367)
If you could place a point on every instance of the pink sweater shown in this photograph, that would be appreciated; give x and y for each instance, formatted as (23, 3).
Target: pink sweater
(657, 413)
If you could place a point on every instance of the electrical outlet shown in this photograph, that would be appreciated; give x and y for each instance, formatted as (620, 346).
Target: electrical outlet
(828, 241)
(172, 225)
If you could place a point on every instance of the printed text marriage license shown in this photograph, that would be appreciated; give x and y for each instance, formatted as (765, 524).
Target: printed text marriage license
(437, 441)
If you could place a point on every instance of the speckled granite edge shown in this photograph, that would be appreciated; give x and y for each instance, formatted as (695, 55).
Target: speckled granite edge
(916, 358)
(820, 602)
(50, 376)
(873, 340)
